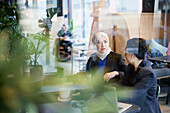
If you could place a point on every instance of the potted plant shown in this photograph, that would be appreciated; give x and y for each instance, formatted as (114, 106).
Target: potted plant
(35, 44)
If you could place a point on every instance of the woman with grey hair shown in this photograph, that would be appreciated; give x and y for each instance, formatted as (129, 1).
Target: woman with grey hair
(64, 34)
(104, 62)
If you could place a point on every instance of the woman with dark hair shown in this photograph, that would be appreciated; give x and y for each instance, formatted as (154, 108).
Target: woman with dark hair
(140, 78)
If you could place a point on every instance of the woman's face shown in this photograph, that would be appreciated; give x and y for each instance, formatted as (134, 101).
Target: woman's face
(65, 28)
(102, 44)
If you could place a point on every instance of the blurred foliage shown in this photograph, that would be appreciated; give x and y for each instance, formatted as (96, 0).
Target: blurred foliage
(10, 35)
(79, 78)
(9, 16)
(15, 89)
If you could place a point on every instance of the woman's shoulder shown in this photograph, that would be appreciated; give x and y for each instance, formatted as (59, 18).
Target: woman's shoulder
(113, 54)
(147, 71)
(146, 67)
(93, 56)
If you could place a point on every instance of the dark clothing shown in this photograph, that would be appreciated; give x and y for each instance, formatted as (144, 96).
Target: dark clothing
(65, 43)
(115, 62)
(61, 33)
(143, 85)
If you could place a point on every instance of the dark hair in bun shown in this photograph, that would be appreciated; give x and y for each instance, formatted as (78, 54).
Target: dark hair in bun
(138, 44)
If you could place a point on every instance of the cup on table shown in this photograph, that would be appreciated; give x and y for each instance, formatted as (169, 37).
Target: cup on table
(64, 94)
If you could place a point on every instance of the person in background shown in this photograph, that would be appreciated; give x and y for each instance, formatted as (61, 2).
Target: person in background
(26, 3)
(140, 78)
(64, 34)
(104, 62)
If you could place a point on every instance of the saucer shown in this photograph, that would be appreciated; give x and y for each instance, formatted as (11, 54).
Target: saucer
(64, 99)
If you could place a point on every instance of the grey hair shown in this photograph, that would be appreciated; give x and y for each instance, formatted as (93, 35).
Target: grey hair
(63, 26)
(98, 35)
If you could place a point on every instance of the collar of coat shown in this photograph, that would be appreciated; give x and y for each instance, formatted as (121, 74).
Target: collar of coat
(96, 58)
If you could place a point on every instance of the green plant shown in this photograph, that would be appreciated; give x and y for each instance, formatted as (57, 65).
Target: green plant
(13, 86)
(9, 16)
(16, 89)
(10, 35)
(70, 25)
(35, 44)
(46, 22)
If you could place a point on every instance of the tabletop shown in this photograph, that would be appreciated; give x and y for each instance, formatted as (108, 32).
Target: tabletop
(58, 106)
(66, 107)
(165, 59)
(133, 109)
(57, 88)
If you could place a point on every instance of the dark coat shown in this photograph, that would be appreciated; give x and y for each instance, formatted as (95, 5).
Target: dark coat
(115, 62)
(143, 83)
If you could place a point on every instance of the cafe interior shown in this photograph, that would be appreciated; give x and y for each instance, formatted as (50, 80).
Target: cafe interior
(39, 74)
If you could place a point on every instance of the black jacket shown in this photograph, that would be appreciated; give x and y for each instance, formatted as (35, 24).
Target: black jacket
(143, 85)
(115, 62)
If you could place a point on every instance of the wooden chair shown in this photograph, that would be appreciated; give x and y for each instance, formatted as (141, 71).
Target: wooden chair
(167, 85)
(58, 51)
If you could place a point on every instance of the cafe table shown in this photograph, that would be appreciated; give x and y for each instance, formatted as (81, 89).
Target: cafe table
(66, 107)
(162, 73)
(163, 59)
(58, 106)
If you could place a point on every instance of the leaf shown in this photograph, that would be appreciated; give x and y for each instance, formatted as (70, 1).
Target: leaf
(31, 48)
(43, 48)
(52, 11)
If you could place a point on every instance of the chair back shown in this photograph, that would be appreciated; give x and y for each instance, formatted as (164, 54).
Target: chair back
(158, 91)
(59, 52)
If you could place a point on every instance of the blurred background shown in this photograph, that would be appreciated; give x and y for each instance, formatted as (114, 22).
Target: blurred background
(30, 56)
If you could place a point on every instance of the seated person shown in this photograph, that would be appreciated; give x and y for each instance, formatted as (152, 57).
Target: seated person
(140, 78)
(63, 34)
(104, 62)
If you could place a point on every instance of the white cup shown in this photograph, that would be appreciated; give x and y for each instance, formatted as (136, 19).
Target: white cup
(64, 94)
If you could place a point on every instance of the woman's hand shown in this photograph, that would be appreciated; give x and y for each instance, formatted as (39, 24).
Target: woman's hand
(129, 58)
(110, 75)
(62, 38)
